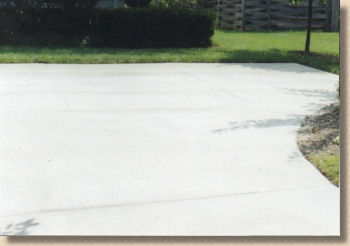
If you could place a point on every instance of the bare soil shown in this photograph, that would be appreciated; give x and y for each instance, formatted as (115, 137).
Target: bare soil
(319, 132)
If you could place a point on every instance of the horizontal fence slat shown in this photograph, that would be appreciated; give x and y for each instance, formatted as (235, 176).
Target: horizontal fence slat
(266, 14)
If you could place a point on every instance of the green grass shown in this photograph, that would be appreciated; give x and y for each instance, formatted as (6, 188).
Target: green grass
(228, 46)
(328, 165)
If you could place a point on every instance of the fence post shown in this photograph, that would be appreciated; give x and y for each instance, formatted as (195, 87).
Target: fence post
(335, 15)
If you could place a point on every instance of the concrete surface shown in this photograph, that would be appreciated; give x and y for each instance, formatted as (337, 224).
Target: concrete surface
(161, 149)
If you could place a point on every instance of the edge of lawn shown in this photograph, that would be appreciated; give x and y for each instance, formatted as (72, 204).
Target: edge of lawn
(56, 55)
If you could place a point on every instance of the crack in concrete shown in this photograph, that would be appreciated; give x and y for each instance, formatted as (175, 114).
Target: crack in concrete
(130, 204)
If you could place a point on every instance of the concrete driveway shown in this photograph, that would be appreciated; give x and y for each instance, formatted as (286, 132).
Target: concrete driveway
(161, 149)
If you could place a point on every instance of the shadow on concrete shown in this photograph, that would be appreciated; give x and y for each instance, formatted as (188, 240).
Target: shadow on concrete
(260, 59)
(295, 157)
(321, 95)
(268, 123)
(22, 228)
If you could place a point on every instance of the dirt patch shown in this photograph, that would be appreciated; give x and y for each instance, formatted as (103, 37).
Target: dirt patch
(319, 135)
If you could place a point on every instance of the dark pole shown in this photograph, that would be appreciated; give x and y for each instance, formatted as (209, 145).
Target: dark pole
(308, 34)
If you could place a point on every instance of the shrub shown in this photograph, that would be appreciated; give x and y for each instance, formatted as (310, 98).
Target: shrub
(44, 26)
(8, 26)
(20, 4)
(117, 27)
(145, 28)
(74, 4)
(65, 4)
(174, 4)
(137, 3)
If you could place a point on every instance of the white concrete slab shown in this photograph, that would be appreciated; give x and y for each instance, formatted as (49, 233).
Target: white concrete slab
(161, 149)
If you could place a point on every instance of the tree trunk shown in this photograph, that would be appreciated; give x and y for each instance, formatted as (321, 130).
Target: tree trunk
(308, 34)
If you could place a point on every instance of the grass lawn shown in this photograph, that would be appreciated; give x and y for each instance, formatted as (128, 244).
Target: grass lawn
(328, 164)
(229, 46)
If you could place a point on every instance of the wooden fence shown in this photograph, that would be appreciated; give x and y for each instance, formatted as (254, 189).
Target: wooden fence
(272, 14)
